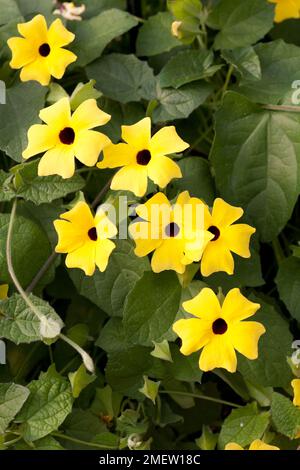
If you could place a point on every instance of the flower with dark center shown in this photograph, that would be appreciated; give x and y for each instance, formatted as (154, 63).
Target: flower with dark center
(143, 157)
(67, 136)
(219, 326)
(215, 231)
(92, 233)
(44, 49)
(172, 230)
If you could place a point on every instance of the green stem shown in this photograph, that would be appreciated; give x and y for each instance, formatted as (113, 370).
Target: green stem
(79, 441)
(201, 397)
(227, 79)
(13, 441)
(278, 251)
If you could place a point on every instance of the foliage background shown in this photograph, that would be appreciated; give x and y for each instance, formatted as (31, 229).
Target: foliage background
(227, 86)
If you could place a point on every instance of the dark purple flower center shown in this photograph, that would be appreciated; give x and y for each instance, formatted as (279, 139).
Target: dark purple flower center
(67, 136)
(215, 231)
(172, 230)
(219, 326)
(143, 157)
(44, 50)
(92, 233)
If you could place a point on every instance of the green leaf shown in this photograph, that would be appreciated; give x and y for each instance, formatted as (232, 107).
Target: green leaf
(12, 398)
(47, 407)
(240, 23)
(162, 351)
(93, 35)
(125, 369)
(180, 103)
(83, 92)
(35, 7)
(79, 380)
(44, 189)
(208, 440)
(107, 439)
(245, 61)
(121, 275)
(30, 249)
(94, 7)
(255, 156)
(196, 178)
(186, 67)
(123, 77)
(151, 307)
(9, 10)
(243, 426)
(280, 64)
(47, 443)
(106, 402)
(113, 337)
(150, 389)
(23, 103)
(83, 425)
(6, 192)
(184, 368)
(19, 324)
(271, 368)
(155, 36)
(285, 416)
(288, 283)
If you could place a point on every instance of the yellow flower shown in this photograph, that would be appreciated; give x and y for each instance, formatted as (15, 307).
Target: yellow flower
(39, 53)
(142, 157)
(296, 387)
(219, 330)
(65, 136)
(227, 238)
(85, 238)
(255, 445)
(173, 232)
(286, 9)
(3, 291)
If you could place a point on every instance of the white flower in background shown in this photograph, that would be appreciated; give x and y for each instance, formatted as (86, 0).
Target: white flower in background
(69, 11)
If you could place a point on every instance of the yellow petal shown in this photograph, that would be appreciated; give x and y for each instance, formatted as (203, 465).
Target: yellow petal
(158, 203)
(296, 387)
(117, 156)
(216, 257)
(224, 214)
(70, 236)
(260, 445)
(138, 135)
(83, 258)
(88, 146)
(35, 29)
(57, 115)
(40, 139)
(58, 161)
(244, 337)
(168, 256)
(233, 446)
(162, 170)
(36, 70)
(23, 52)
(286, 9)
(195, 244)
(81, 216)
(88, 116)
(204, 305)
(131, 178)
(58, 61)
(58, 35)
(236, 307)
(105, 227)
(194, 334)
(167, 141)
(3, 291)
(237, 239)
(218, 353)
(104, 249)
(144, 239)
